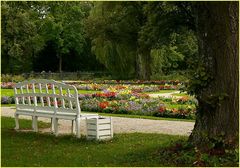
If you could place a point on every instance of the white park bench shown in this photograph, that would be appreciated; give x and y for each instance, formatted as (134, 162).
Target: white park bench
(50, 99)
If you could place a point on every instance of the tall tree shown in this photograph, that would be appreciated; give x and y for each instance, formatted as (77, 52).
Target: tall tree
(216, 84)
(113, 28)
(64, 27)
(20, 36)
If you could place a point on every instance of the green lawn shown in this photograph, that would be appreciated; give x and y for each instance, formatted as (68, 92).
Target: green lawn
(135, 149)
(180, 94)
(171, 106)
(10, 92)
(160, 91)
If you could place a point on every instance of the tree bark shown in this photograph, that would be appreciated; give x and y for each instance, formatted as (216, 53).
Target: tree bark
(144, 65)
(218, 49)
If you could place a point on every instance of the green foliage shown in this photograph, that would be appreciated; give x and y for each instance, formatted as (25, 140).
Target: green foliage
(180, 54)
(112, 26)
(20, 39)
(131, 39)
(199, 80)
(33, 32)
(11, 78)
(131, 30)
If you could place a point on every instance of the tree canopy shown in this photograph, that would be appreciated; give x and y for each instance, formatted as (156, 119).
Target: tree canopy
(129, 39)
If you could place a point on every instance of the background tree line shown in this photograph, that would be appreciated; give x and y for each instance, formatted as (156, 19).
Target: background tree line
(47, 36)
(129, 39)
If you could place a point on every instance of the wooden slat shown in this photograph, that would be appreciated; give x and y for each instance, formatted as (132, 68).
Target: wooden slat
(70, 102)
(54, 98)
(62, 99)
(41, 97)
(23, 98)
(48, 99)
(29, 99)
(16, 98)
(100, 133)
(100, 127)
(104, 121)
(25, 106)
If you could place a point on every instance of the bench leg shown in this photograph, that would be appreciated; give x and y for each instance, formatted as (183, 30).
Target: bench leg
(55, 122)
(35, 124)
(52, 125)
(16, 121)
(78, 127)
(32, 122)
(73, 127)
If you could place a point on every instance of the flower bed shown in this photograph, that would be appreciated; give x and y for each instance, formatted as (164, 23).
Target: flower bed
(126, 102)
(116, 87)
(138, 82)
(7, 85)
(134, 88)
(129, 99)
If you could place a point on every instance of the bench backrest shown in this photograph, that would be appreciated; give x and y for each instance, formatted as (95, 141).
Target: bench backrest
(46, 95)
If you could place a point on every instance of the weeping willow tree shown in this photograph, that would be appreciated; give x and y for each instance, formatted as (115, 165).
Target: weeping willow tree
(113, 27)
(117, 57)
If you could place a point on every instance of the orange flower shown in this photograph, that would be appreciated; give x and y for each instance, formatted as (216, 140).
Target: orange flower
(174, 110)
(103, 105)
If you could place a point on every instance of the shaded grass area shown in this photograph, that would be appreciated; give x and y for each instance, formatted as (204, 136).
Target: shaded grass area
(135, 149)
(34, 149)
(9, 123)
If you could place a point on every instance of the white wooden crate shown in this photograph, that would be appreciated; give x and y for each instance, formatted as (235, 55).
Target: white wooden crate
(99, 128)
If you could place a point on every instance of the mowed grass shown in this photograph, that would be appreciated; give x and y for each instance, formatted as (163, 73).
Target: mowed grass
(181, 94)
(10, 92)
(161, 91)
(124, 150)
(35, 149)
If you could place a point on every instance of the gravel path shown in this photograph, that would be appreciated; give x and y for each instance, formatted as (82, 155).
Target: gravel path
(121, 125)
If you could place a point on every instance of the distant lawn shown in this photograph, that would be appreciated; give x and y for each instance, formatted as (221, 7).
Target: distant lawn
(160, 91)
(125, 150)
(180, 94)
(10, 92)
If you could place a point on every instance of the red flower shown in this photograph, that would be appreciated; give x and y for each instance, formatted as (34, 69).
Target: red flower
(103, 105)
(162, 109)
(110, 94)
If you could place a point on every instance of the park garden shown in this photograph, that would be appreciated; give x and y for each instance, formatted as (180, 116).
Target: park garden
(170, 63)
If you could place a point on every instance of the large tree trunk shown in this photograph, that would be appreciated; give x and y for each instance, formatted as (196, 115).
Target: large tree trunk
(144, 65)
(218, 111)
